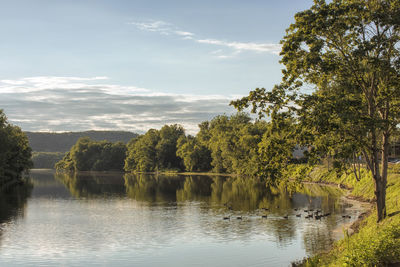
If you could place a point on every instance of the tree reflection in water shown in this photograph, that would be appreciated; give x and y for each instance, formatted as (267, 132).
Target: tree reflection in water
(92, 184)
(217, 196)
(13, 204)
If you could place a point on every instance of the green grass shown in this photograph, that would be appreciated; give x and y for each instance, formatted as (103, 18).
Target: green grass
(375, 244)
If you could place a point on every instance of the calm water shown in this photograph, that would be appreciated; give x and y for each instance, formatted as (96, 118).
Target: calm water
(110, 219)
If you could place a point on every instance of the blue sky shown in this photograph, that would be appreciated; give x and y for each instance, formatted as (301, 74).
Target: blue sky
(135, 65)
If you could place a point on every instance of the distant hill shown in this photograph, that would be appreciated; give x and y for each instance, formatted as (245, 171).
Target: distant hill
(62, 142)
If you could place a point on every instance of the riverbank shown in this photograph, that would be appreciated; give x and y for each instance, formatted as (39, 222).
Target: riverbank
(188, 173)
(371, 244)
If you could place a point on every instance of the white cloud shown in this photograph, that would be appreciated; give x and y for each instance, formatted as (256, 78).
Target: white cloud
(39, 83)
(237, 47)
(12, 82)
(184, 33)
(153, 26)
(50, 103)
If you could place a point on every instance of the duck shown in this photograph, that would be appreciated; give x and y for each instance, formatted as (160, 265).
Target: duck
(298, 215)
(264, 216)
(227, 217)
(239, 217)
(286, 216)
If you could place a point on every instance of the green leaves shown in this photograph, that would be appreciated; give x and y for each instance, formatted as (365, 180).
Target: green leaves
(349, 51)
(15, 153)
(89, 155)
(155, 150)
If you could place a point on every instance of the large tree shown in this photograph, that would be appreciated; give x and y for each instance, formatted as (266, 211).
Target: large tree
(90, 155)
(347, 51)
(15, 153)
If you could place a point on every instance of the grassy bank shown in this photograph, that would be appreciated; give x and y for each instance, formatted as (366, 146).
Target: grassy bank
(372, 244)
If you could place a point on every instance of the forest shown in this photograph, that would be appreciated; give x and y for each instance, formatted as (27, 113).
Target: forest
(226, 144)
(90, 155)
(62, 142)
(15, 153)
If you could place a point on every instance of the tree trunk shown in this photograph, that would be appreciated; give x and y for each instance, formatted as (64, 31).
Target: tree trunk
(381, 181)
(380, 193)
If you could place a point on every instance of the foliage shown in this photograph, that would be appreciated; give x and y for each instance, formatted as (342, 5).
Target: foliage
(276, 147)
(155, 150)
(233, 142)
(374, 244)
(348, 51)
(224, 145)
(167, 146)
(196, 156)
(89, 155)
(297, 172)
(15, 153)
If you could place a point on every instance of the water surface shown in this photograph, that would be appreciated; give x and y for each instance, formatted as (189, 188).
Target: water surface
(104, 219)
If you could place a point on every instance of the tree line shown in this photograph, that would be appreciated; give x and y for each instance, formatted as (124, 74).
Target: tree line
(15, 153)
(226, 144)
(348, 53)
(90, 155)
(62, 142)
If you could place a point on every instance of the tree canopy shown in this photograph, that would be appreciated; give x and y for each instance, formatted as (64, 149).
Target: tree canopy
(15, 153)
(226, 144)
(347, 52)
(89, 155)
(155, 150)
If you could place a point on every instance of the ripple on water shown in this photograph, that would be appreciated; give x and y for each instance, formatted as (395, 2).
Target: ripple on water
(162, 230)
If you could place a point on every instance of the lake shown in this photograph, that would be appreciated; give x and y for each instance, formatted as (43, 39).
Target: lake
(112, 219)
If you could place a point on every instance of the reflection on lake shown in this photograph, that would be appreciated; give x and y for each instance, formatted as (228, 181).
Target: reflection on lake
(157, 220)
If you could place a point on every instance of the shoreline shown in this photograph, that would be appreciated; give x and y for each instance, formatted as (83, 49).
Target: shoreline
(364, 206)
(152, 173)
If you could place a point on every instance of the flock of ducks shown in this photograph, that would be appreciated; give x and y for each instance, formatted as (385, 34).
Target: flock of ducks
(317, 214)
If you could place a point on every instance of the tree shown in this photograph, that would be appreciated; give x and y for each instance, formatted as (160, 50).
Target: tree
(155, 150)
(232, 143)
(276, 147)
(348, 51)
(90, 155)
(195, 156)
(15, 153)
(142, 155)
(167, 145)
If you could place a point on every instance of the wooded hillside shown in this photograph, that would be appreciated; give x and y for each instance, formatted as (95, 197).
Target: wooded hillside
(62, 142)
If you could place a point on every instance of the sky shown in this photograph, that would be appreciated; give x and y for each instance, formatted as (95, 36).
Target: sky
(73, 65)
